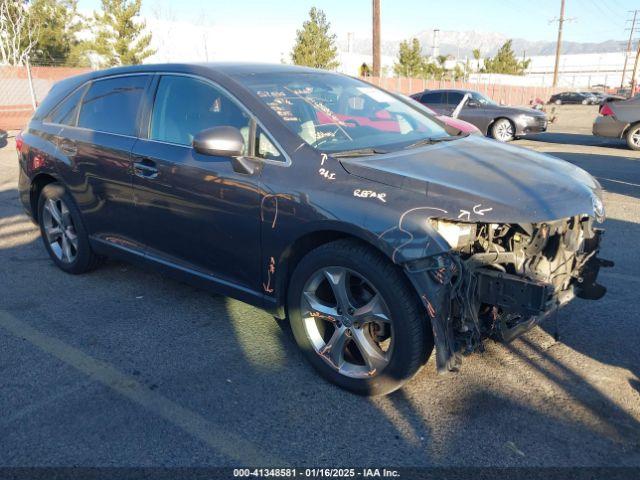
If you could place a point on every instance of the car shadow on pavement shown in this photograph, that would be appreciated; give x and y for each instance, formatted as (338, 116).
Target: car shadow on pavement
(577, 139)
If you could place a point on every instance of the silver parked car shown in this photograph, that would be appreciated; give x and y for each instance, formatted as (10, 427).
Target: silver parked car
(620, 120)
(501, 122)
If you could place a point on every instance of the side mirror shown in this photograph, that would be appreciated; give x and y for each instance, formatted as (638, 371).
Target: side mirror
(473, 104)
(224, 142)
(219, 141)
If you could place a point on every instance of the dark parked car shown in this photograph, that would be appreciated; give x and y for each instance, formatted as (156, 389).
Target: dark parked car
(620, 119)
(573, 98)
(373, 228)
(500, 122)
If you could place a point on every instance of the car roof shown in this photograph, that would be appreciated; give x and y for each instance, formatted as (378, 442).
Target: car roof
(219, 71)
(457, 90)
(226, 68)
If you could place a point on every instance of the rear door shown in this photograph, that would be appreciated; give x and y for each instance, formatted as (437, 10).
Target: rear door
(96, 156)
(195, 211)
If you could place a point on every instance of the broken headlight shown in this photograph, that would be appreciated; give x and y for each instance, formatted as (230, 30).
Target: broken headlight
(457, 234)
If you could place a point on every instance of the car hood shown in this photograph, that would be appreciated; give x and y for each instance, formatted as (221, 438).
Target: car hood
(477, 179)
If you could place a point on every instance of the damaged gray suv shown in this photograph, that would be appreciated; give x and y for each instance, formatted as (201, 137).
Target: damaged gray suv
(378, 231)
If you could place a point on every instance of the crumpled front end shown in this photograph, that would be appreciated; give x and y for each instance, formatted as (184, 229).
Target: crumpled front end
(500, 280)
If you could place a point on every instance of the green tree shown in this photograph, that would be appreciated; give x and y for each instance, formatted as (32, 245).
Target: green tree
(410, 62)
(315, 46)
(477, 56)
(505, 61)
(56, 40)
(442, 59)
(120, 37)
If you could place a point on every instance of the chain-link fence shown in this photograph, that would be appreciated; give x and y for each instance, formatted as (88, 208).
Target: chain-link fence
(21, 89)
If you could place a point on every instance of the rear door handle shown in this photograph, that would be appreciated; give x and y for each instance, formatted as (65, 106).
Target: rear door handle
(68, 147)
(145, 168)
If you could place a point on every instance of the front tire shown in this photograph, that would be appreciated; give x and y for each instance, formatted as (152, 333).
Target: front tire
(558, 102)
(63, 232)
(502, 130)
(633, 137)
(357, 319)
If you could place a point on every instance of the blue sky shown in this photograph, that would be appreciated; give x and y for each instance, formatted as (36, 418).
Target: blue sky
(593, 20)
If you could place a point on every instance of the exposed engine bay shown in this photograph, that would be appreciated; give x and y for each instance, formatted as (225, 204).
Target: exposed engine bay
(500, 280)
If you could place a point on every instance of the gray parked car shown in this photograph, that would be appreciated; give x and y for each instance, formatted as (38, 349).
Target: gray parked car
(620, 120)
(500, 122)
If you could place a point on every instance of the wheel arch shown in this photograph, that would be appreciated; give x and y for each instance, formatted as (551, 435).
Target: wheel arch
(627, 127)
(309, 241)
(38, 182)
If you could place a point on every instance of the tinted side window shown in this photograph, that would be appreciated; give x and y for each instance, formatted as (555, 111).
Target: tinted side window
(112, 105)
(454, 98)
(65, 112)
(185, 106)
(434, 97)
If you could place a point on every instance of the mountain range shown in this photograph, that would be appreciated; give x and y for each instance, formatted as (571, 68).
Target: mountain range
(461, 44)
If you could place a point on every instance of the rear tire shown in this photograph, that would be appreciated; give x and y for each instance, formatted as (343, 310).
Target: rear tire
(317, 321)
(633, 137)
(63, 232)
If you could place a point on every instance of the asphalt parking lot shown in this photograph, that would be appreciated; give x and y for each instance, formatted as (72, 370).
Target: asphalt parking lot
(122, 367)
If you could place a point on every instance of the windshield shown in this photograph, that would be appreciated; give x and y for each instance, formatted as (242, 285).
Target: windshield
(335, 113)
(481, 99)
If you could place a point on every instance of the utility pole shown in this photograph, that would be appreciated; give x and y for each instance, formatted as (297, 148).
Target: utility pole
(376, 38)
(635, 70)
(626, 56)
(558, 46)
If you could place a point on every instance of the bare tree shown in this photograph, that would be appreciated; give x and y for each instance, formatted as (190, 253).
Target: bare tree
(18, 33)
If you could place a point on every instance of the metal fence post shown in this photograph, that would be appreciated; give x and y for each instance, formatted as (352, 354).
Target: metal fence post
(31, 89)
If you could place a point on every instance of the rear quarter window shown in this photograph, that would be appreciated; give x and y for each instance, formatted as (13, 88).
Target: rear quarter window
(66, 111)
(112, 105)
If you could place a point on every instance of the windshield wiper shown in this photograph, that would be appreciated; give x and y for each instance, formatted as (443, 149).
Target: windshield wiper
(432, 140)
(361, 152)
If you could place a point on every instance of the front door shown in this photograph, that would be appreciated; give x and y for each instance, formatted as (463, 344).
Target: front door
(194, 210)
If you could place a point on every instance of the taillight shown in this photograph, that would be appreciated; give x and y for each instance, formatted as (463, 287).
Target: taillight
(19, 142)
(606, 111)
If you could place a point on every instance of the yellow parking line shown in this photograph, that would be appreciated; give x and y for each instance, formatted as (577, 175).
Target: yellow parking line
(225, 442)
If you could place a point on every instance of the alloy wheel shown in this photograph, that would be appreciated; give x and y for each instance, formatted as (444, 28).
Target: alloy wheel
(503, 131)
(635, 138)
(347, 321)
(60, 231)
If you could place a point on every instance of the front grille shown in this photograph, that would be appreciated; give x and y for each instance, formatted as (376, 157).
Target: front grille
(541, 122)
